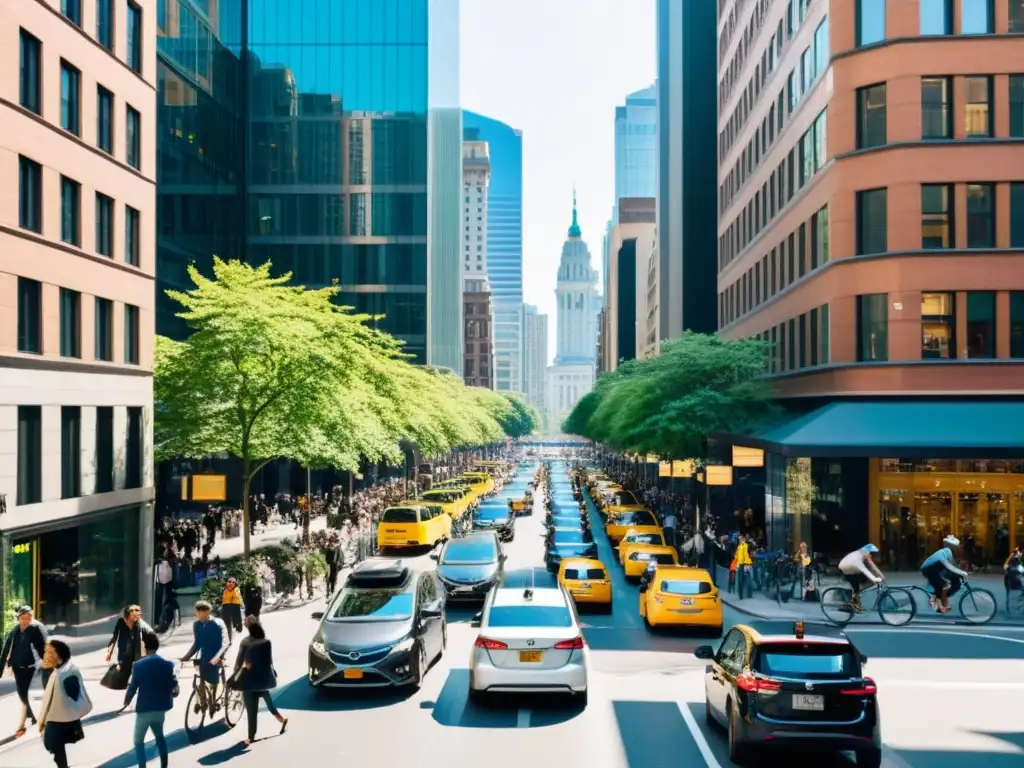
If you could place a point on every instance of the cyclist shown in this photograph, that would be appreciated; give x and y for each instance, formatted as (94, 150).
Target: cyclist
(942, 574)
(858, 568)
(210, 641)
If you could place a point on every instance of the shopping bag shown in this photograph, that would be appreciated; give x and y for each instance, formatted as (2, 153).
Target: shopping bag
(116, 678)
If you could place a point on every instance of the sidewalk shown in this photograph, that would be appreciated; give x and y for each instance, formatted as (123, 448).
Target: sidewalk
(232, 547)
(763, 607)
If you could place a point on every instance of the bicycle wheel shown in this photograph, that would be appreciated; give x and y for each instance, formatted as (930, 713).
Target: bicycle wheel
(195, 715)
(835, 604)
(897, 607)
(978, 606)
(234, 705)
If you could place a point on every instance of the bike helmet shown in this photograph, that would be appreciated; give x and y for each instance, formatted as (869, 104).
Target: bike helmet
(870, 549)
(951, 541)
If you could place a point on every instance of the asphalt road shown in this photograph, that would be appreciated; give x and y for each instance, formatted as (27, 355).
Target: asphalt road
(948, 697)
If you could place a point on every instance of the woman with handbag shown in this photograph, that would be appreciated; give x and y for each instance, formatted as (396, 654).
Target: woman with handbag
(255, 675)
(127, 643)
(65, 703)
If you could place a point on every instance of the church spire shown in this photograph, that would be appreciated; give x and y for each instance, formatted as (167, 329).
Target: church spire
(574, 229)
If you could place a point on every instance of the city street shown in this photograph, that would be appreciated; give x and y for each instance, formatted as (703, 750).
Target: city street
(948, 699)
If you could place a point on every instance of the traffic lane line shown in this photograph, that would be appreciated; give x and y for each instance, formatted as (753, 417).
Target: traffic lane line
(934, 631)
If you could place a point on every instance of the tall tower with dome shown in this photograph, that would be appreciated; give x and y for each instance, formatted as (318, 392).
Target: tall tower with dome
(573, 372)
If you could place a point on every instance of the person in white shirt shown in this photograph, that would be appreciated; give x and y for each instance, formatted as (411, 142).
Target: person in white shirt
(65, 703)
(859, 569)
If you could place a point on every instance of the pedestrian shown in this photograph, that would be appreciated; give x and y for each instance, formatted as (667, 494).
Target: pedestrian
(334, 558)
(164, 575)
(210, 641)
(22, 652)
(253, 601)
(231, 607)
(669, 526)
(155, 681)
(255, 675)
(127, 643)
(65, 703)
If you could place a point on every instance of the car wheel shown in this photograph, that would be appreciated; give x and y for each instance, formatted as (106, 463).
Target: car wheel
(608, 608)
(581, 698)
(648, 625)
(869, 758)
(737, 751)
(479, 698)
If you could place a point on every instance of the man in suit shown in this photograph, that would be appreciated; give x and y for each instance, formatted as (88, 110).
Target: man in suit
(155, 681)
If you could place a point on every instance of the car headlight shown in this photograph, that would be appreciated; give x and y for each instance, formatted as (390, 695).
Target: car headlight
(405, 646)
(318, 647)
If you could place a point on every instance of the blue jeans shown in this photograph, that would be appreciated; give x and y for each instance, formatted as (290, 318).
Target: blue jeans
(145, 721)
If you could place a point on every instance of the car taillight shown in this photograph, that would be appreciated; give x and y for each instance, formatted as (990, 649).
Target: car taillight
(490, 645)
(571, 645)
(867, 688)
(756, 684)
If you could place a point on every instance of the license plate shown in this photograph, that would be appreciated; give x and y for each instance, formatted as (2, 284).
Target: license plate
(686, 601)
(462, 590)
(582, 586)
(806, 703)
(530, 657)
(353, 674)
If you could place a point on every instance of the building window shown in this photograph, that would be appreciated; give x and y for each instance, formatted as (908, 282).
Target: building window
(133, 449)
(104, 449)
(872, 221)
(976, 17)
(72, 9)
(819, 238)
(873, 327)
(936, 17)
(826, 335)
(821, 48)
(70, 451)
(30, 454)
(134, 27)
(131, 334)
(814, 336)
(871, 116)
(105, 23)
(936, 108)
(104, 225)
(981, 324)
(103, 342)
(1016, 16)
(820, 141)
(981, 225)
(978, 116)
(70, 98)
(70, 211)
(938, 326)
(70, 323)
(131, 236)
(30, 316)
(1017, 215)
(29, 84)
(133, 137)
(30, 195)
(1017, 324)
(937, 216)
(870, 21)
(104, 119)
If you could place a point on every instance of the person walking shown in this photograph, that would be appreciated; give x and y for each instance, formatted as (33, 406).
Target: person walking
(155, 681)
(22, 651)
(231, 607)
(65, 703)
(255, 675)
(127, 643)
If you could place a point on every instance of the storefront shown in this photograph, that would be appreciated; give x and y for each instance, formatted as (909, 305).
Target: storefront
(77, 578)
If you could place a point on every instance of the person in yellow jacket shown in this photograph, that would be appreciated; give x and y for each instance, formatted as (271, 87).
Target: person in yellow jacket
(744, 569)
(231, 607)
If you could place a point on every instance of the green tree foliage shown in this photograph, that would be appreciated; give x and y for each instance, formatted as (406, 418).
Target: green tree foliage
(667, 405)
(520, 419)
(274, 370)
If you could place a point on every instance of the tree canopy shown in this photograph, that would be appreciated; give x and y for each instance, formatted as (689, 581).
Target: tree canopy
(275, 370)
(669, 404)
(520, 419)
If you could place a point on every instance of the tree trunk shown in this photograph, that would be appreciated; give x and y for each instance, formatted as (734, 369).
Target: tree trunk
(307, 515)
(246, 483)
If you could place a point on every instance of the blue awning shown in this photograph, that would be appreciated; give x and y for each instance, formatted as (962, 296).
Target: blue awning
(928, 429)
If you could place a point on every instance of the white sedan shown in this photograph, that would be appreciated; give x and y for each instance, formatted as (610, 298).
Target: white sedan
(530, 642)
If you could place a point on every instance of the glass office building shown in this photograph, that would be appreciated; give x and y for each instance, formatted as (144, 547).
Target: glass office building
(504, 245)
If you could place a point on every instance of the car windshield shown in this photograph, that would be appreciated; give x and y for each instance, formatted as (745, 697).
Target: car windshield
(569, 537)
(644, 538)
(373, 604)
(661, 559)
(465, 552)
(623, 499)
(399, 515)
(685, 587)
(444, 497)
(492, 514)
(529, 616)
(585, 574)
(807, 660)
(640, 517)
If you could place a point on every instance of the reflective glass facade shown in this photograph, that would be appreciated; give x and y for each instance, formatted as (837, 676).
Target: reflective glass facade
(504, 245)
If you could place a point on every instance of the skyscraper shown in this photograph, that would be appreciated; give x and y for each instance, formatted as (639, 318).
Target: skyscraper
(535, 338)
(478, 358)
(687, 166)
(504, 244)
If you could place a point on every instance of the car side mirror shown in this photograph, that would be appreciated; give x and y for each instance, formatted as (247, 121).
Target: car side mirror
(704, 652)
(503, 557)
(317, 615)
(435, 555)
(863, 659)
(477, 619)
(431, 613)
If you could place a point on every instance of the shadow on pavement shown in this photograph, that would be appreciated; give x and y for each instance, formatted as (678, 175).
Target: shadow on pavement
(176, 740)
(651, 731)
(453, 708)
(301, 696)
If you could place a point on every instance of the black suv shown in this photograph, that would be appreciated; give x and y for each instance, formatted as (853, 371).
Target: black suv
(468, 567)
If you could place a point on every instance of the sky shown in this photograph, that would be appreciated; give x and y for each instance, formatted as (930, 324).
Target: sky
(556, 69)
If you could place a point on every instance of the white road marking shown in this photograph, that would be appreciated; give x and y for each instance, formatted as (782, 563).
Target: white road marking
(698, 736)
(955, 633)
(965, 685)
(523, 719)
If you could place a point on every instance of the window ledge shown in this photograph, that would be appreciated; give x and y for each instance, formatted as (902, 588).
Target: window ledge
(917, 143)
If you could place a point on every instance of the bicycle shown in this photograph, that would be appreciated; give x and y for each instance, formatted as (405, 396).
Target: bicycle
(228, 700)
(895, 605)
(170, 619)
(976, 605)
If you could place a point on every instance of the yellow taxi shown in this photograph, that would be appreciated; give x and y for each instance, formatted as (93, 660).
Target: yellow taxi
(641, 555)
(680, 596)
(620, 499)
(616, 525)
(640, 535)
(413, 524)
(481, 482)
(455, 501)
(587, 581)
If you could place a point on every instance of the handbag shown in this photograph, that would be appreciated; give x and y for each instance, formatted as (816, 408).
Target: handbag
(235, 681)
(116, 679)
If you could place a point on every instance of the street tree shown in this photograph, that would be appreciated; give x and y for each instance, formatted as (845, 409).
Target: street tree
(520, 419)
